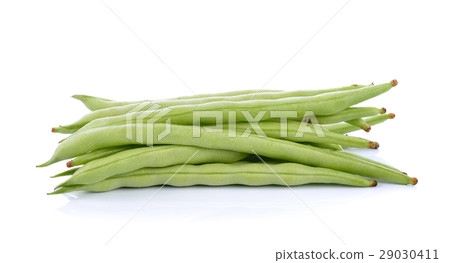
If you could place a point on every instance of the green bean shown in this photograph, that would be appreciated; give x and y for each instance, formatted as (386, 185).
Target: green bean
(243, 173)
(182, 135)
(345, 127)
(294, 131)
(157, 156)
(148, 105)
(228, 93)
(330, 146)
(66, 173)
(373, 120)
(271, 94)
(97, 154)
(350, 114)
(324, 104)
(361, 158)
(360, 123)
(102, 113)
(96, 103)
(64, 130)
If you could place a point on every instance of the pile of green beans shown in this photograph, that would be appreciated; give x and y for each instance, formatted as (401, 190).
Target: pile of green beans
(119, 143)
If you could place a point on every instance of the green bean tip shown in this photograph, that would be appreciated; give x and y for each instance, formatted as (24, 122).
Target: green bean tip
(47, 163)
(53, 129)
(394, 82)
(78, 96)
(383, 110)
(69, 164)
(367, 128)
(414, 181)
(61, 185)
(374, 183)
(391, 115)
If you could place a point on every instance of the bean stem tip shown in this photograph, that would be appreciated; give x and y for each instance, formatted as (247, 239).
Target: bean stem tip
(374, 145)
(414, 181)
(374, 183)
(383, 110)
(394, 82)
(69, 164)
(367, 128)
(391, 115)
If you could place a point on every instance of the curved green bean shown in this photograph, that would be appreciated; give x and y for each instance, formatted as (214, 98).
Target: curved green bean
(243, 173)
(293, 131)
(97, 154)
(270, 93)
(182, 135)
(361, 158)
(157, 156)
(360, 123)
(149, 105)
(345, 127)
(226, 94)
(66, 173)
(324, 104)
(64, 130)
(96, 103)
(350, 114)
(330, 146)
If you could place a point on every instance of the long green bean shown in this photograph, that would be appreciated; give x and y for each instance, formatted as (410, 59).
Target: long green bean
(96, 103)
(360, 123)
(66, 173)
(182, 135)
(345, 127)
(244, 173)
(330, 146)
(294, 131)
(324, 104)
(350, 114)
(157, 156)
(97, 154)
(361, 158)
(151, 105)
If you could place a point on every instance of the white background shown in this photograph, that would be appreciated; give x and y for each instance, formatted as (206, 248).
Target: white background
(50, 50)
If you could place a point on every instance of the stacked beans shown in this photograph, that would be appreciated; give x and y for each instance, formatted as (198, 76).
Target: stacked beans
(248, 137)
